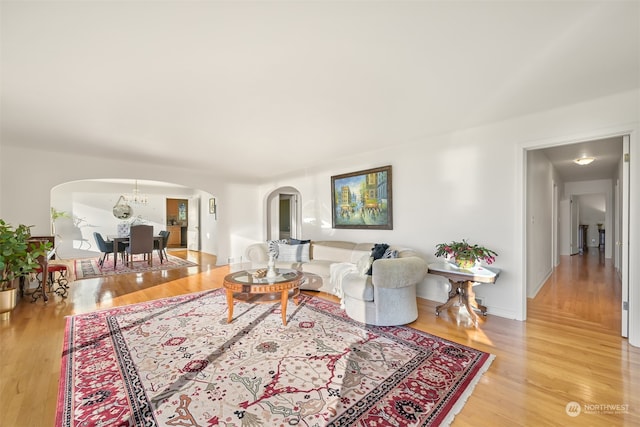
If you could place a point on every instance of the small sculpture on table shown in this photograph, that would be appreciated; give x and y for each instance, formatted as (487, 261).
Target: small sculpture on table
(271, 267)
(260, 273)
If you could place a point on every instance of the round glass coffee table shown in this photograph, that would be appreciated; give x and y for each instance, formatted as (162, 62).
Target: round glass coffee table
(246, 287)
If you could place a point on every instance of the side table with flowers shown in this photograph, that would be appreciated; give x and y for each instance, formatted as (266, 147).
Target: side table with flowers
(463, 277)
(465, 255)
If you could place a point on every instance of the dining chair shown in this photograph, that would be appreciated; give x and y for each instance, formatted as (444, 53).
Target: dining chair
(106, 247)
(140, 242)
(162, 247)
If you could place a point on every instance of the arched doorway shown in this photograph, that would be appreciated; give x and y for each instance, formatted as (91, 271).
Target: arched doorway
(87, 206)
(284, 218)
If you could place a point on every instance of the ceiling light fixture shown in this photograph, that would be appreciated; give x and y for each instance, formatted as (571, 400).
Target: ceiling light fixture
(583, 161)
(136, 197)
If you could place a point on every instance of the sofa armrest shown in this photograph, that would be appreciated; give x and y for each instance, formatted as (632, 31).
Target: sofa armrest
(257, 253)
(398, 272)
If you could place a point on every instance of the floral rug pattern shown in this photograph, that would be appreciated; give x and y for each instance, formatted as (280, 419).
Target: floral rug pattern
(89, 268)
(176, 362)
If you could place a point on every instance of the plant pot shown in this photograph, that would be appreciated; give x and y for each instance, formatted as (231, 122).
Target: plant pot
(8, 301)
(465, 263)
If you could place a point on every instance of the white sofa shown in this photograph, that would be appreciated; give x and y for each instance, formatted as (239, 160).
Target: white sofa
(386, 297)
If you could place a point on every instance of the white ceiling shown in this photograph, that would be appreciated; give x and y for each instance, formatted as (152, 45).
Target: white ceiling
(606, 152)
(212, 85)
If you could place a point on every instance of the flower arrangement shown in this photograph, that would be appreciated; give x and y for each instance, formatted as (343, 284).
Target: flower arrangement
(465, 251)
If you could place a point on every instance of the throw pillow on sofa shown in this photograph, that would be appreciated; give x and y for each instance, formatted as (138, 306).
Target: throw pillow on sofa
(390, 253)
(293, 253)
(377, 252)
(298, 242)
(272, 246)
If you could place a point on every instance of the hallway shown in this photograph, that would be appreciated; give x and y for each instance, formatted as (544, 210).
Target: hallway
(583, 291)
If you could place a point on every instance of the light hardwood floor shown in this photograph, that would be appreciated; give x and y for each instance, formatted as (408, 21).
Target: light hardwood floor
(569, 349)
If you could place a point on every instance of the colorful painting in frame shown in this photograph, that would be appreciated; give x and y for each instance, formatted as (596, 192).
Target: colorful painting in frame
(362, 199)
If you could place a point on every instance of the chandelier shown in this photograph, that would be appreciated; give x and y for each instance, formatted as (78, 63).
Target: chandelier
(136, 197)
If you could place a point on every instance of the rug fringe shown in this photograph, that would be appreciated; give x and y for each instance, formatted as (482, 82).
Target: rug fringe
(462, 400)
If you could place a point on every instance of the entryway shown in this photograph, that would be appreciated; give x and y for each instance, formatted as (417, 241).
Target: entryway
(284, 218)
(177, 222)
(597, 240)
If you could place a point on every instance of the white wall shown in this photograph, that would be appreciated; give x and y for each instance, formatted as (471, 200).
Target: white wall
(540, 179)
(468, 184)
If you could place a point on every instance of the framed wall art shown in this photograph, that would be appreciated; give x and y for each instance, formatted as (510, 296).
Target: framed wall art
(362, 199)
(212, 206)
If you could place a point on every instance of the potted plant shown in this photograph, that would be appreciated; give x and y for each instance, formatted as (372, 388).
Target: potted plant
(18, 258)
(464, 254)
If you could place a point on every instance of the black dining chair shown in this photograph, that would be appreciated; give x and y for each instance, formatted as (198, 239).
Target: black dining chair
(140, 242)
(106, 247)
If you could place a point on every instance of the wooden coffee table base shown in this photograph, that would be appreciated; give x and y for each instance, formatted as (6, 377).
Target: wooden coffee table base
(266, 298)
(287, 287)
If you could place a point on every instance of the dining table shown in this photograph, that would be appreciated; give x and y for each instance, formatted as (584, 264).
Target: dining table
(125, 239)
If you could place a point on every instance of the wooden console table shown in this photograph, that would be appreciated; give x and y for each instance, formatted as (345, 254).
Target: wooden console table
(462, 282)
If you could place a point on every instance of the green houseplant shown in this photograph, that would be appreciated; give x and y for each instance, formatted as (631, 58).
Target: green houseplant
(18, 258)
(464, 254)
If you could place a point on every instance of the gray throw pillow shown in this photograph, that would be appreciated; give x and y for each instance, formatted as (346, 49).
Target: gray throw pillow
(293, 253)
(390, 253)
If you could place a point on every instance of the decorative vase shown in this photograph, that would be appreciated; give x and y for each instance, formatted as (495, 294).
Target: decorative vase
(465, 263)
(271, 267)
(8, 301)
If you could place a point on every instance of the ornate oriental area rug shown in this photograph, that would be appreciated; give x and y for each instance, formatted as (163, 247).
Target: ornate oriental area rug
(89, 268)
(176, 362)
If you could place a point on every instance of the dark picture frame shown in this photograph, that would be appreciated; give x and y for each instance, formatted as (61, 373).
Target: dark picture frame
(212, 206)
(363, 199)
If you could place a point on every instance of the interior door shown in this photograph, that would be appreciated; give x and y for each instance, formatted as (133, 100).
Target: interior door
(193, 229)
(624, 236)
(574, 212)
(285, 216)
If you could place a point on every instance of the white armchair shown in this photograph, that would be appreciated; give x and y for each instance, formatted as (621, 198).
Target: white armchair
(388, 297)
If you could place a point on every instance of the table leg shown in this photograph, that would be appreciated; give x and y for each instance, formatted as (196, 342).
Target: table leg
(296, 296)
(453, 294)
(472, 301)
(283, 306)
(468, 287)
(230, 305)
(45, 276)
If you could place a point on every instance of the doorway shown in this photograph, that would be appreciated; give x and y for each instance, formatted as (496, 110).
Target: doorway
(89, 203)
(587, 214)
(177, 214)
(283, 214)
